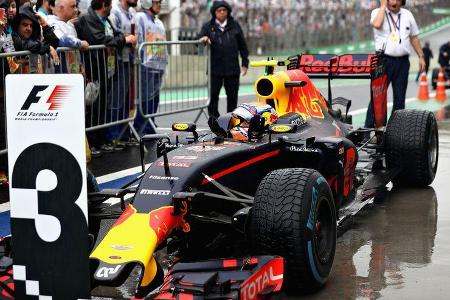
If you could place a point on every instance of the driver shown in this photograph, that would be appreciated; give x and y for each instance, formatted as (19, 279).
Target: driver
(242, 115)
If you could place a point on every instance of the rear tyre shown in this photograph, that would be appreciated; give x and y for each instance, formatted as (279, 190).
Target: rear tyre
(294, 216)
(412, 145)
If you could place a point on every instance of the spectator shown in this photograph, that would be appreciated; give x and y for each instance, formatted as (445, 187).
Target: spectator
(226, 38)
(64, 11)
(395, 30)
(43, 8)
(27, 36)
(154, 60)
(96, 28)
(123, 18)
(428, 54)
(444, 55)
(4, 70)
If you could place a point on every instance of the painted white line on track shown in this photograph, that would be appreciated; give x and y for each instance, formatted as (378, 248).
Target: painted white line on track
(389, 105)
(120, 174)
(4, 207)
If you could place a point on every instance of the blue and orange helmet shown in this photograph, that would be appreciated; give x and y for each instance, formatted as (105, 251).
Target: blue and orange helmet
(242, 115)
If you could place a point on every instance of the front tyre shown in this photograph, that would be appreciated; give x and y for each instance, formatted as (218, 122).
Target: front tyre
(294, 216)
(412, 145)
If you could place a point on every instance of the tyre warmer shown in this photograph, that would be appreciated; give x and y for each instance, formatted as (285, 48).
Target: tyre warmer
(248, 278)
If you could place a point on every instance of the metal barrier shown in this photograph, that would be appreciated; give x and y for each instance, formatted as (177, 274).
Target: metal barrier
(20, 62)
(173, 78)
(115, 89)
(106, 75)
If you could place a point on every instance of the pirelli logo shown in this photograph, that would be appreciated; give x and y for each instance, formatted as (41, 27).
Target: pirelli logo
(155, 192)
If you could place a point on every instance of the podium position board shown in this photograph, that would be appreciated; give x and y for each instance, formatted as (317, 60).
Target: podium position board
(47, 171)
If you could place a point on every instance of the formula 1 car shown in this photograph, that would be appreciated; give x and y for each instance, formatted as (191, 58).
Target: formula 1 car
(241, 219)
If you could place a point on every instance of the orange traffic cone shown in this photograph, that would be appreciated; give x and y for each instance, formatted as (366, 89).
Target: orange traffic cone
(423, 88)
(440, 87)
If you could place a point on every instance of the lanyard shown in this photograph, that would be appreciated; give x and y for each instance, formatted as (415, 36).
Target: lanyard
(396, 24)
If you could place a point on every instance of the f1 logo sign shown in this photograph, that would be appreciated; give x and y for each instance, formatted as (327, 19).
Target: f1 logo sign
(33, 97)
(56, 98)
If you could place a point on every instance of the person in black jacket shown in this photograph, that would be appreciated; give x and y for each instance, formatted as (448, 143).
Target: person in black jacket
(26, 35)
(95, 28)
(226, 38)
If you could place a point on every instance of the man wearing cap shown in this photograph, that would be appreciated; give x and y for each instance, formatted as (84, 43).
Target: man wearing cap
(395, 31)
(226, 38)
(154, 60)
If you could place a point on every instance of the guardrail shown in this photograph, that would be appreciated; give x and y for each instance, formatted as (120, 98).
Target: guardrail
(117, 91)
(181, 70)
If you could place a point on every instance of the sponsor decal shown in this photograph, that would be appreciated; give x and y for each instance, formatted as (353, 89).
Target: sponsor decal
(155, 177)
(181, 126)
(105, 272)
(186, 157)
(122, 247)
(343, 64)
(176, 164)
(40, 105)
(281, 128)
(205, 148)
(115, 257)
(259, 282)
(303, 149)
(298, 121)
(155, 192)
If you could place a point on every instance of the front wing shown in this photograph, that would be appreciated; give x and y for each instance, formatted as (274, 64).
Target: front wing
(247, 278)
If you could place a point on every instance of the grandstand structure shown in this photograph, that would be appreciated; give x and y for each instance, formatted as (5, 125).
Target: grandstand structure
(274, 26)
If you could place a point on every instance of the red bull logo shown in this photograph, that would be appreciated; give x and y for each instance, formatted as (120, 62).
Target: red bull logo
(343, 64)
(163, 221)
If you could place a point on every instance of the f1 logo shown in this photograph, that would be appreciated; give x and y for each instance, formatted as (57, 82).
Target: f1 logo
(33, 97)
(56, 98)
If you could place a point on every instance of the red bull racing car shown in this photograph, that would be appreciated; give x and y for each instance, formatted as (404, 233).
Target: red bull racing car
(254, 205)
(272, 184)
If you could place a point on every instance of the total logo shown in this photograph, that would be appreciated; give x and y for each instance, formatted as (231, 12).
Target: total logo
(155, 192)
(253, 287)
(155, 177)
(42, 103)
(105, 272)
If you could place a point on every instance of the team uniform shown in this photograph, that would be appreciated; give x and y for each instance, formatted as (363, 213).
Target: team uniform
(394, 38)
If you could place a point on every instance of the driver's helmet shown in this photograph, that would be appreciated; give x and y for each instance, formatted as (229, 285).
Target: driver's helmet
(242, 115)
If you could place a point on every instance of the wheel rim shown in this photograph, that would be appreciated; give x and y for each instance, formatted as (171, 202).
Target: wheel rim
(324, 232)
(432, 149)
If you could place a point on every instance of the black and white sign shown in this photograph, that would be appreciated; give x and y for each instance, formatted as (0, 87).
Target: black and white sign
(47, 171)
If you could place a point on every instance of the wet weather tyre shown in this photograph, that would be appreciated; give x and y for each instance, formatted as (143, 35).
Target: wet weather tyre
(412, 147)
(294, 216)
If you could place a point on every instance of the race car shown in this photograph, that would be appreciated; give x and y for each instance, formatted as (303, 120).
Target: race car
(275, 179)
(254, 206)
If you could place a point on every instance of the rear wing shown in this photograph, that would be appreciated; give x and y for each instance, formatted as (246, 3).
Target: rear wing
(343, 66)
(348, 66)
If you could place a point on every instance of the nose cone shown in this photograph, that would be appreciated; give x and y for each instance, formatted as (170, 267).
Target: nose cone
(134, 237)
